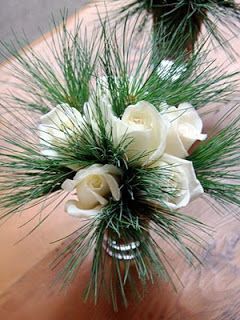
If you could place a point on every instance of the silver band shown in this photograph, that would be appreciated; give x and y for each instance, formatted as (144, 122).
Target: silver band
(120, 251)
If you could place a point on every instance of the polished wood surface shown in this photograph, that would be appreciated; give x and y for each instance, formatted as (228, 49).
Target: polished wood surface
(210, 291)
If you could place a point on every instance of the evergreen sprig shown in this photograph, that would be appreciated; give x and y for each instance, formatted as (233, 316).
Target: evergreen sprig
(216, 162)
(64, 78)
(131, 66)
(180, 21)
(133, 72)
(27, 177)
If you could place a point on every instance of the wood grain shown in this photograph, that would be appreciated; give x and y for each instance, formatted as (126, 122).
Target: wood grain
(208, 292)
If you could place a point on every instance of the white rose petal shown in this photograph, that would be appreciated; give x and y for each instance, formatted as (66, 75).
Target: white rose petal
(145, 128)
(182, 178)
(56, 126)
(186, 128)
(94, 187)
(71, 207)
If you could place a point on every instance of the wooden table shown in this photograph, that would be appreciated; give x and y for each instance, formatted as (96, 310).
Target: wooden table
(208, 292)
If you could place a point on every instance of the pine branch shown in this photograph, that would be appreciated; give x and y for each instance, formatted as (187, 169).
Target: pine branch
(183, 20)
(133, 72)
(216, 162)
(63, 77)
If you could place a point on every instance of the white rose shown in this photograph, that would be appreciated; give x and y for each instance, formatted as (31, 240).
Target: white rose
(94, 187)
(57, 126)
(186, 127)
(145, 128)
(183, 185)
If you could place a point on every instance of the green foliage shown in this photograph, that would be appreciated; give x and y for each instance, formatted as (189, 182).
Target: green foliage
(64, 78)
(133, 72)
(131, 66)
(180, 21)
(27, 177)
(216, 162)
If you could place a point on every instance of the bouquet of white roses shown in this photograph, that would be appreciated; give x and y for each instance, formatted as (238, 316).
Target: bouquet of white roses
(153, 140)
(121, 142)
